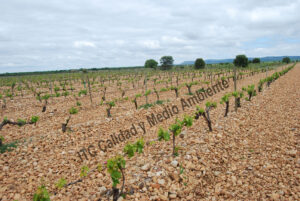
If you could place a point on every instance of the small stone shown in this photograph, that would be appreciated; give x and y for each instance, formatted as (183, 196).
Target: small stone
(233, 179)
(146, 167)
(216, 173)
(172, 195)
(17, 196)
(190, 166)
(174, 163)
(131, 191)
(159, 173)
(102, 190)
(182, 134)
(269, 166)
(292, 153)
(168, 161)
(275, 196)
(150, 174)
(174, 176)
(153, 197)
(162, 197)
(157, 186)
(141, 185)
(161, 181)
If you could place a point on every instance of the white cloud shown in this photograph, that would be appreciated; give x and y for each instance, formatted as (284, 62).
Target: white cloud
(79, 44)
(120, 42)
(173, 40)
(151, 44)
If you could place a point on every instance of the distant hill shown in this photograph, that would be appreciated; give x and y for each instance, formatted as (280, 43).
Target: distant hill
(263, 59)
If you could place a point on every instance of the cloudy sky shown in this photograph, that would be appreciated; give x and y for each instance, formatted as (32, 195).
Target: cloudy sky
(63, 34)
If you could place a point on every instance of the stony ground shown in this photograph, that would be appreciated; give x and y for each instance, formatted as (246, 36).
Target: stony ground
(250, 155)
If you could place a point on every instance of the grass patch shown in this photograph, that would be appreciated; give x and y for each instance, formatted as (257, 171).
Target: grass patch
(8, 147)
(201, 90)
(146, 106)
(159, 102)
(189, 94)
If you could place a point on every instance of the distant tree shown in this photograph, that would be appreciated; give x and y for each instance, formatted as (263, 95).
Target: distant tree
(286, 60)
(241, 61)
(199, 63)
(166, 62)
(256, 60)
(150, 63)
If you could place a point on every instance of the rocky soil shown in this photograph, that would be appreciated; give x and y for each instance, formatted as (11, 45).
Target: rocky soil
(250, 155)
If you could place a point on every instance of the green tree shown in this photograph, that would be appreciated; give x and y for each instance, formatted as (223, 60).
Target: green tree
(256, 60)
(199, 63)
(166, 62)
(151, 63)
(241, 61)
(286, 60)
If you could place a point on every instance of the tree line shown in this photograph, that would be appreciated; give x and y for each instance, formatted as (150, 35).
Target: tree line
(166, 62)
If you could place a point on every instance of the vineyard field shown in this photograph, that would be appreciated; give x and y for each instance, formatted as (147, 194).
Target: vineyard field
(148, 134)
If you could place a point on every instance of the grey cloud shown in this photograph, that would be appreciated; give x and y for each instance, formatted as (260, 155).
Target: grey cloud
(59, 34)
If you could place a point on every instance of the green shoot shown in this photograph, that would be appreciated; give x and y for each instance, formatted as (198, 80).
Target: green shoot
(130, 149)
(61, 183)
(73, 110)
(34, 119)
(251, 91)
(140, 145)
(111, 103)
(163, 135)
(138, 95)
(99, 168)
(187, 121)
(83, 91)
(225, 98)
(114, 167)
(148, 92)
(176, 128)
(46, 97)
(176, 149)
(210, 104)
(41, 194)
(21, 122)
(84, 171)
